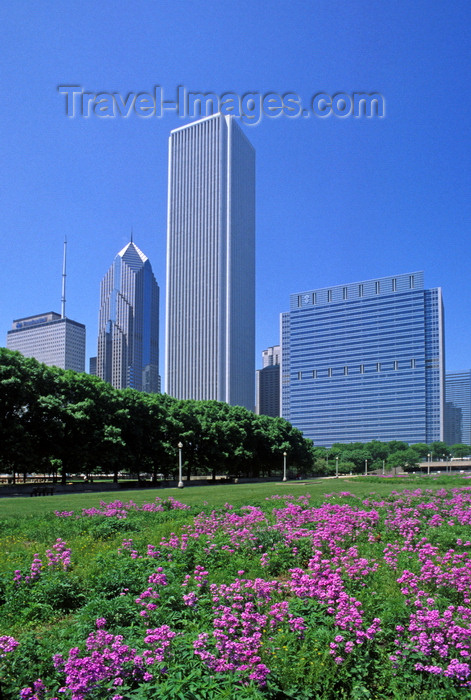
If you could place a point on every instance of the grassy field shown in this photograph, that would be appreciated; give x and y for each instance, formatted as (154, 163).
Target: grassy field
(236, 494)
(349, 588)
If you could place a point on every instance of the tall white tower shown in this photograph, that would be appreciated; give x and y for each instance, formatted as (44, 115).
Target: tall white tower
(210, 338)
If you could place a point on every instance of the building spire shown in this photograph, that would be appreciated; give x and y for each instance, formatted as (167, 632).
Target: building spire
(131, 234)
(63, 278)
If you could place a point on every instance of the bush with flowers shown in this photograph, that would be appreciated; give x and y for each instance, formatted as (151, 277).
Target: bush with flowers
(343, 598)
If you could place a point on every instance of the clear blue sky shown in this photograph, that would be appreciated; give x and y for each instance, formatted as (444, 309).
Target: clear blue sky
(338, 200)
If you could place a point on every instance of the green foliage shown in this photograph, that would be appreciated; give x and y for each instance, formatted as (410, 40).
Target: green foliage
(460, 450)
(53, 419)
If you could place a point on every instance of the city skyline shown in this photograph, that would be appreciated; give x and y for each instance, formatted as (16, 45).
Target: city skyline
(337, 198)
(210, 312)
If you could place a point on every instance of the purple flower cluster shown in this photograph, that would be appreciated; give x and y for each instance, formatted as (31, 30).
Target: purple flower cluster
(324, 582)
(109, 662)
(59, 556)
(148, 597)
(118, 509)
(331, 522)
(7, 645)
(37, 692)
(242, 618)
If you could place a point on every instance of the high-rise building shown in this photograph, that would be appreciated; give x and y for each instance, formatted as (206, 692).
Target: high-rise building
(51, 339)
(365, 361)
(128, 326)
(458, 407)
(271, 356)
(210, 344)
(267, 390)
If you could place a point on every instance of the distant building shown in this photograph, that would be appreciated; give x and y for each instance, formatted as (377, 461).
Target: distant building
(51, 339)
(271, 356)
(268, 383)
(92, 365)
(365, 361)
(458, 407)
(128, 327)
(210, 338)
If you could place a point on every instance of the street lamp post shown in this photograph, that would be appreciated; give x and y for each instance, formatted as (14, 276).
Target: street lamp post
(336, 467)
(428, 462)
(284, 467)
(383, 467)
(180, 481)
(366, 467)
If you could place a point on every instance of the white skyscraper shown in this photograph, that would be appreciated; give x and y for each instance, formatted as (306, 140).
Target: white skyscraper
(50, 338)
(128, 326)
(210, 343)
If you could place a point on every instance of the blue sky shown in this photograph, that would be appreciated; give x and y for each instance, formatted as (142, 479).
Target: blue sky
(338, 199)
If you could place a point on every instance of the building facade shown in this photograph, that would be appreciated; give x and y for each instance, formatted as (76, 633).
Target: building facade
(128, 326)
(271, 356)
(51, 339)
(365, 361)
(458, 408)
(267, 387)
(210, 332)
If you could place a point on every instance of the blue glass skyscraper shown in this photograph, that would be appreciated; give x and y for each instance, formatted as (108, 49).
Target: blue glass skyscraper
(458, 407)
(128, 327)
(365, 361)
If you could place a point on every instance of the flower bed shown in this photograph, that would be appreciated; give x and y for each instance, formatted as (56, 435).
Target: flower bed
(347, 598)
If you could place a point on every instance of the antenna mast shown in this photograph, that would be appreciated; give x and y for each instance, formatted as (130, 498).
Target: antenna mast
(63, 279)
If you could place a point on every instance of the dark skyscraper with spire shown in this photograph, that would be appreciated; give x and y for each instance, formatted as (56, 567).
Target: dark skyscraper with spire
(128, 326)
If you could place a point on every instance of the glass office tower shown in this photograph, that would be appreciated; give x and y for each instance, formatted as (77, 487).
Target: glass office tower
(365, 361)
(128, 326)
(210, 339)
(458, 407)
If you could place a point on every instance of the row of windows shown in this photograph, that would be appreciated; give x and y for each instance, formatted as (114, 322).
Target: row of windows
(378, 367)
(380, 286)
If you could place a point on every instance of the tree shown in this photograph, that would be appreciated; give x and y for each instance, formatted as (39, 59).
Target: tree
(396, 446)
(439, 449)
(22, 381)
(378, 450)
(403, 459)
(460, 450)
(422, 449)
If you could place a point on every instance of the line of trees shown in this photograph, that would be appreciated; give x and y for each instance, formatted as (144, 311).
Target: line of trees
(67, 423)
(357, 457)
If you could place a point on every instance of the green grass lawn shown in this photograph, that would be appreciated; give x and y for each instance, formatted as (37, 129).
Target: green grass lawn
(235, 494)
